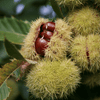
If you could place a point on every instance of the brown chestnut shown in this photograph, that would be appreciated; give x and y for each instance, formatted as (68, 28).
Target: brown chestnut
(50, 26)
(40, 46)
(46, 34)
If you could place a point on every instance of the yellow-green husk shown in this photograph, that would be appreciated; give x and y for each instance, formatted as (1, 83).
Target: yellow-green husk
(55, 79)
(79, 48)
(28, 48)
(60, 41)
(97, 2)
(58, 45)
(71, 4)
(84, 21)
(92, 80)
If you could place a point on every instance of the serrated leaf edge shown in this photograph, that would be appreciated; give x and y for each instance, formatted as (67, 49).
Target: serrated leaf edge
(8, 90)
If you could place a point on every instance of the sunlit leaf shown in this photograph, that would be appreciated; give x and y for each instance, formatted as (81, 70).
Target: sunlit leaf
(4, 91)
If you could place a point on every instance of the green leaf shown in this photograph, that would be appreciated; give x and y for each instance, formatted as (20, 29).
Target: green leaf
(3, 53)
(56, 8)
(12, 50)
(8, 69)
(16, 73)
(14, 30)
(4, 91)
(5, 72)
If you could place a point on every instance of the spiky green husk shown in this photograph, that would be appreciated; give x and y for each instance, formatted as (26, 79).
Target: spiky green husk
(92, 80)
(57, 46)
(97, 2)
(85, 21)
(71, 4)
(53, 79)
(60, 41)
(80, 46)
(96, 98)
(28, 49)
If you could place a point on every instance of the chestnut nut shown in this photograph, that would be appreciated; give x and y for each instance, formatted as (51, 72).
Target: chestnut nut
(45, 32)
